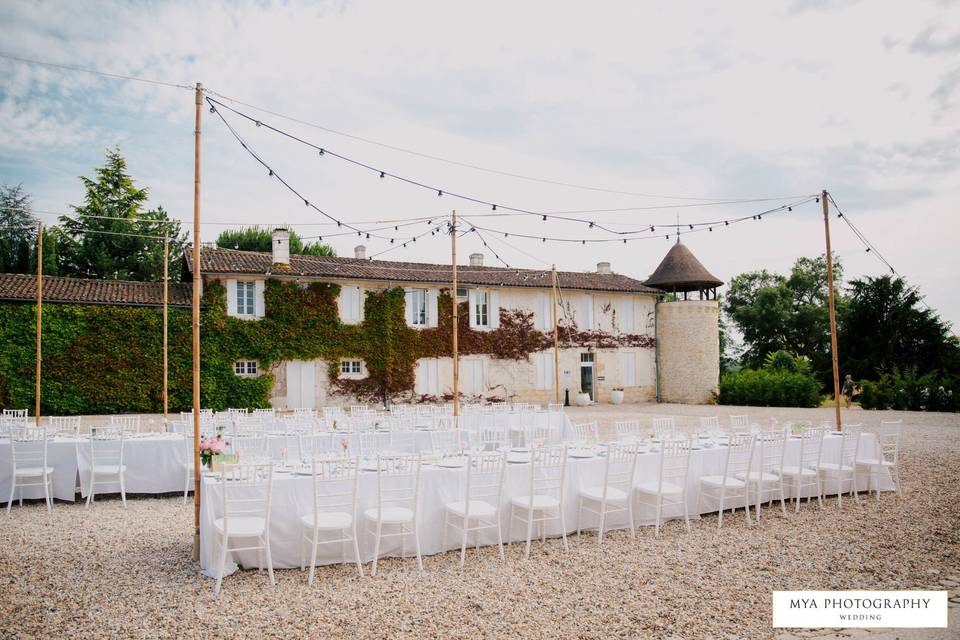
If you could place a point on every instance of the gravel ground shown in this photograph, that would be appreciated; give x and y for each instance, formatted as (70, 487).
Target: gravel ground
(114, 573)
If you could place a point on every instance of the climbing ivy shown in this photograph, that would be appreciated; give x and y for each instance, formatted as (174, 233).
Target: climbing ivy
(108, 359)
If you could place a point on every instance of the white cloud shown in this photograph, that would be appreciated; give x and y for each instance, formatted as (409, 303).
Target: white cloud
(725, 99)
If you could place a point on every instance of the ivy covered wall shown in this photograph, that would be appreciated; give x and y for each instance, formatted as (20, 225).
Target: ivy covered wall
(108, 359)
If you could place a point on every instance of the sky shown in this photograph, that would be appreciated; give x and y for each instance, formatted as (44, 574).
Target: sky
(658, 108)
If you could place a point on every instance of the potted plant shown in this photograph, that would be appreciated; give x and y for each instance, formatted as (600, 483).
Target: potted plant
(616, 396)
(583, 399)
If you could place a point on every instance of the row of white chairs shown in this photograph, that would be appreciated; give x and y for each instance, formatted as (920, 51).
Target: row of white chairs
(63, 425)
(754, 472)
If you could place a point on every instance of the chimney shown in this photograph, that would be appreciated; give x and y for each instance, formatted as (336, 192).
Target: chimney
(476, 259)
(360, 252)
(281, 246)
(603, 267)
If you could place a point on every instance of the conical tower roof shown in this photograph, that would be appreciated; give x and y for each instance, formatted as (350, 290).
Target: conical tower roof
(681, 271)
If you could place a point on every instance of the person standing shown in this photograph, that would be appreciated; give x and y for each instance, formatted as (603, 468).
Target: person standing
(847, 390)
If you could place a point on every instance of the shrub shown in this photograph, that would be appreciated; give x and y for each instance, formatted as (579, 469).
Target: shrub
(904, 390)
(778, 388)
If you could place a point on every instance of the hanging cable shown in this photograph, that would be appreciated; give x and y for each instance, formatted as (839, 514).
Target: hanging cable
(114, 76)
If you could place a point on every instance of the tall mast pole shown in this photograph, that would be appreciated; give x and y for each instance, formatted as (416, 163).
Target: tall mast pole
(166, 270)
(39, 316)
(556, 342)
(196, 324)
(833, 311)
(456, 320)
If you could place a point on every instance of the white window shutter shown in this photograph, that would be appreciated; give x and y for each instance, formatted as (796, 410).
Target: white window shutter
(586, 313)
(360, 299)
(472, 307)
(232, 298)
(259, 306)
(432, 313)
(626, 319)
(629, 364)
(408, 306)
(493, 310)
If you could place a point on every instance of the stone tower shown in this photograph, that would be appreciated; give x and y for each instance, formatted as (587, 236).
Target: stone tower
(688, 336)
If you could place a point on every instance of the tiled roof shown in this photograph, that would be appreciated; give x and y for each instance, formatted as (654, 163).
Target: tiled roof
(229, 261)
(123, 292)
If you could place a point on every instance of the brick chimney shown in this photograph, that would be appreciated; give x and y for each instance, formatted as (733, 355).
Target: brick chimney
(476, 259)
(281, 246)
(603, 267)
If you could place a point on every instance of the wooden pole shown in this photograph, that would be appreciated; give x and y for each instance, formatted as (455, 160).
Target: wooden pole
(196, 324)
(166, 270)
(556, 342)
(833, 311)
(456, 320)
(39, 316)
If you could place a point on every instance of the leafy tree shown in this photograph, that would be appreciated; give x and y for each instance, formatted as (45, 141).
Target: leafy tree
(260, 238)
(884, 326)
(51, 244)
(113, 235)
(18, 229)
(790, 313)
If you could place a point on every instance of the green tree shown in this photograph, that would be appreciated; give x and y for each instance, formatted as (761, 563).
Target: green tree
(260, 238)
(18, 229)
(774, 312)
(885, 326)
(113, 235)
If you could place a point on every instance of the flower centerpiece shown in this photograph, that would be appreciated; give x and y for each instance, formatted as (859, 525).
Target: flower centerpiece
(210, 447)
(345, 444)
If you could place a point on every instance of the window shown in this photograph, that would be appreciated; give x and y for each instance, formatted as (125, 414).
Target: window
(245, 368)
(629, 361)
(245, 298)
(418, 307)
(351, 310)
(544, 364)
(480, 309)
(461, 293)
(353, 369)
(586, 357)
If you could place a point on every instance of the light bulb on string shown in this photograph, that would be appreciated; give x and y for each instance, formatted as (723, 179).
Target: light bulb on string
(321, 151)
(544, 218)
(306, 203)
(691, 226)
(789, 208)
(726, 223)
(258, 123)
(494, 207)
(212, 109)
(382, 175)
(439, 193)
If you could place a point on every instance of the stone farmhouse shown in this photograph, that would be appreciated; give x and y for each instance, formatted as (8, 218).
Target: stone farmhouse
(648, 339)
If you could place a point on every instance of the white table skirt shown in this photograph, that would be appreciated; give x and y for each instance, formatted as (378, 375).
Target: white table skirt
(155, 464)
(293, 496)
(61, 455)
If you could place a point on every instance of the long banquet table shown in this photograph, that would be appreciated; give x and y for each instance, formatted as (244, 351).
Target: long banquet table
(293, 496)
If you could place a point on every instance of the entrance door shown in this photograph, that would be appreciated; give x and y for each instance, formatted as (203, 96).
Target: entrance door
(586, 374)
(301, 385)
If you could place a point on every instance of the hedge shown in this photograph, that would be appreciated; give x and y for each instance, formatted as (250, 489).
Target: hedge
(759, 387)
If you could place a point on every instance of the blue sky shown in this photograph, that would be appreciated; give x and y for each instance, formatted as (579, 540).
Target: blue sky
(738, 100)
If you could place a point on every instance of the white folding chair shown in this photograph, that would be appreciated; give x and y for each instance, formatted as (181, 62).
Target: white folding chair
(130, 425)
(493, 436)
(664, 426)
(480, 507)
(709, 423)
(840, 465)
(335, 482)
(739, 423)
(403, 442)
(765, 477)
(28, 464)
(447, 441)
(64, 425)
(669, 488)
(252, 448)
(372, 443)
(246, 491)
(546, 489)
(805, 474)
(554, 407)
(311, 445)
(613, 495)
(536, 435)
(888, 456)
(628, 430)
(587, 432)
(188, 444)
(106, 461)
(737, 461)
(398, 492)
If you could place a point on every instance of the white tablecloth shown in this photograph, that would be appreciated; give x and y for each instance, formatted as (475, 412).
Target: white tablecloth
(61, 455)
(293, 497)
(154, 465)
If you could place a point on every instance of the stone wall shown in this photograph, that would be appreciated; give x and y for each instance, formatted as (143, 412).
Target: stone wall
(689, 342)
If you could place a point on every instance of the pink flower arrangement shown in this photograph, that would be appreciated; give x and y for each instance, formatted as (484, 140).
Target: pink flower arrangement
(210, 447)
(345, 443)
